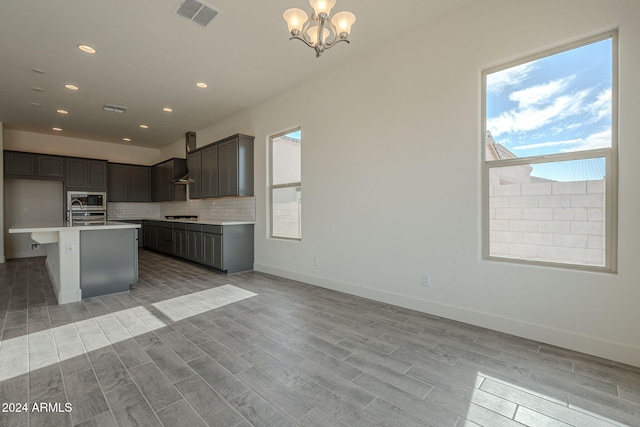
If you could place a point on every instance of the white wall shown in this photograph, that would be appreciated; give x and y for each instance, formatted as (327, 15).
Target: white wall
(2, 257)
(65, 146)
(382, 134)
(30, 201)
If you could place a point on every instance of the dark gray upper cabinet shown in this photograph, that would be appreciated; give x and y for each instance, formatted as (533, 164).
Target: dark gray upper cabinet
(163, 176)
(210, 171)
(33, 166)
(96, 175)
(139, 183)
(117, 181)
(76, 173)
(195, 174)
(50, 166)
(86, 174)
(128, 183)
(19, 164)
(223, 168)
(228, 168)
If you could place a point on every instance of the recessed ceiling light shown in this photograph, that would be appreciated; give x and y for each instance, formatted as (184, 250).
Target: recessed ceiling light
(37, 89)
(61, 111)
(144, 126)
(38, 70)
(86, 48)
(202, 85)
(167, 109)
(57, 129)
(71, 86)
(126, 139)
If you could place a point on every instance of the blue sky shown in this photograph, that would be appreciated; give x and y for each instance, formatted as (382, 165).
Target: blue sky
(555, 104)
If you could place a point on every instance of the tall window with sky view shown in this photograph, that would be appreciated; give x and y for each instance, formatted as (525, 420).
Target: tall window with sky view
(550, 160)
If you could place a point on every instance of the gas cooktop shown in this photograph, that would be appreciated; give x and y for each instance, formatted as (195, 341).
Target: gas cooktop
(186, 217)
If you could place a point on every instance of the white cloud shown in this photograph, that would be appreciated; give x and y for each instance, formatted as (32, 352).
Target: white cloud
(601, 108)
(532, 118)
(600, 139)
(539, 94)
(500, 80)
(548, 144)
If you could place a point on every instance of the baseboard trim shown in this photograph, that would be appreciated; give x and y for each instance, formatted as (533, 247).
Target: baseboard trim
(595, 346)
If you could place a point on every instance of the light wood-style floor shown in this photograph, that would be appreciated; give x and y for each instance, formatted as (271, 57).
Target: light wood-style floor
(190, 347)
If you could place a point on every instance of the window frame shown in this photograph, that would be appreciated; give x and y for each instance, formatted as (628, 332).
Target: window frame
(610, 154)
(273, 187)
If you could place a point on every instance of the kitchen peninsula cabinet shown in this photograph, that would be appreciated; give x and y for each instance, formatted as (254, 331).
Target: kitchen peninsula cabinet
(222, 169)
(129, 183)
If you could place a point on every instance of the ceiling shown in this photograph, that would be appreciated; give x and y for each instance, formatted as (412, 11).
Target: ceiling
(148, 58)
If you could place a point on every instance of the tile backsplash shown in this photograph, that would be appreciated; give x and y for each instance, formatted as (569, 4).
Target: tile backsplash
(232, 209)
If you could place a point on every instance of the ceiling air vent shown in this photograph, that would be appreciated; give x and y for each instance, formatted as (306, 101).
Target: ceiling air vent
(114, 108)
(197, 12)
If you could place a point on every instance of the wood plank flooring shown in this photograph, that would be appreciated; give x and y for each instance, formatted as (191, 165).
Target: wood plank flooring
(190, 347)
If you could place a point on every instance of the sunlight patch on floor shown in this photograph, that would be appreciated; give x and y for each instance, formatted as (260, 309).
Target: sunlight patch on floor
(528, 407)
(37, 350)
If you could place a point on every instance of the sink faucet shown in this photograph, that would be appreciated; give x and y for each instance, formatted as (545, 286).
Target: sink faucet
(71, 210)
(76, 200)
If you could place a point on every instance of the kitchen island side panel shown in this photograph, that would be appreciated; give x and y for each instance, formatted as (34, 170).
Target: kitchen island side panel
(108, 261)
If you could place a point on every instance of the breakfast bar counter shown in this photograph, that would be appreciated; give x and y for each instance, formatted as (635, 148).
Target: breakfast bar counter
(87, 260)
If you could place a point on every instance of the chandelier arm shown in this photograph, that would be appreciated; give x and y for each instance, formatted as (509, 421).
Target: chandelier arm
(305, 28)
(302, 40)
(332, 44)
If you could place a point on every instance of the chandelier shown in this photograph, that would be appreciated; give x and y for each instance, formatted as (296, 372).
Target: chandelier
(321, 32)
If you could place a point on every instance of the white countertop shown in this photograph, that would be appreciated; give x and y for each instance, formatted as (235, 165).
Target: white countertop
(191, 221)
(48, 226)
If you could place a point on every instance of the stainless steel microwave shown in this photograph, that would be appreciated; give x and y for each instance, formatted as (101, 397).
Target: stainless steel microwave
(86, 201)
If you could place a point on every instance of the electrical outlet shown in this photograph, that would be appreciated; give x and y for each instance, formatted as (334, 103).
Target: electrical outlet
(71, 249)
(426, 279)
(316, 261)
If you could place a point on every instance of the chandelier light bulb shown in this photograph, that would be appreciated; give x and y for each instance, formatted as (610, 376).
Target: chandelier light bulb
(322, 6)
(313, 34)
(343, 22)
(295, 19)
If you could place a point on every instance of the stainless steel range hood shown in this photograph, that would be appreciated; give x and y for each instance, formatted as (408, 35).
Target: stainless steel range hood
(190, 145)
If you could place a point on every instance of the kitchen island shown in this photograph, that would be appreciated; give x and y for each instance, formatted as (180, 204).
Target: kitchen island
(87, 260)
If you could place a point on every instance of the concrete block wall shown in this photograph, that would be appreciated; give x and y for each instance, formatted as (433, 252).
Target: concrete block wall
(286, 219)
(548, 221)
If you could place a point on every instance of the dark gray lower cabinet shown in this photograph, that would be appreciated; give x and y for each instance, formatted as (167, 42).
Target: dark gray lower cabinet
(180, 240)
(212, 250)
(228, 248)
(194, 243)
(152, 235)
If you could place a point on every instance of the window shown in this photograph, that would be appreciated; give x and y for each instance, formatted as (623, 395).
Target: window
(550, 157)
(285, 185)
